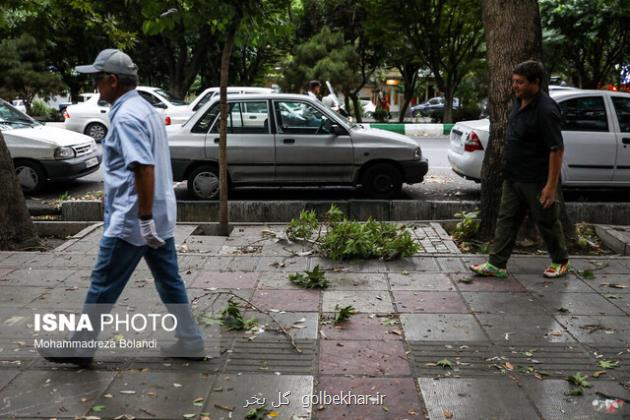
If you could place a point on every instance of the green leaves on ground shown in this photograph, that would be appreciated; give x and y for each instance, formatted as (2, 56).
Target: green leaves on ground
(468, 226)
(580, 381)
(608, 364)
(345, 239)
(343, 313)
(233, 318)
(444, 363)
(260, 413)
(315, 279)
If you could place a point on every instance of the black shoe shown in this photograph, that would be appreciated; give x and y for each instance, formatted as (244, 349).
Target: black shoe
(57, 356)
(186, 350)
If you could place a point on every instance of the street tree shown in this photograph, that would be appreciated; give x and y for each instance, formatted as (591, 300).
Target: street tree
(445, 34)
(589, 40)
(17, 231)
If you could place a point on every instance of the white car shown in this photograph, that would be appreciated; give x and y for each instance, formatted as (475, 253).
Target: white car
(90, 117)
(595, 130)
(208, 94)
(41, 153)
(19, 105)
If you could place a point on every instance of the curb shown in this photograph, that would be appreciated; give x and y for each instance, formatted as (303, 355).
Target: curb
(416, 130)
(394, 210)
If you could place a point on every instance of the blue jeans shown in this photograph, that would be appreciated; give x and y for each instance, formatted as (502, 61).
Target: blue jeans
(116, 262)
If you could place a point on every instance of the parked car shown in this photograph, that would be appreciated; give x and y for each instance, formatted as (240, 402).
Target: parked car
(213, 92)
(596, 133)
(90, 117)
(433, 108)
(41, 153)
(368, 107)
(299, 142)
(19, 105)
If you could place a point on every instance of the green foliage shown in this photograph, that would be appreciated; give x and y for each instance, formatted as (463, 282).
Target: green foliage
(343, 313)
(233, 318)
(315, 279)
(304, 226)
(608, 364)
(380, 114)
(468, 226)
(579, 380)
(444, 363)
(259, 413)
(40, 109)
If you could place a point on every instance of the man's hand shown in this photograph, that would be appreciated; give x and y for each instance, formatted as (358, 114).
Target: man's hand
(547, 196)
(147, 228)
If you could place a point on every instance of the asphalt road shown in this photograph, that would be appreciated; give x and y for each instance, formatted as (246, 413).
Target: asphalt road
(440, 183)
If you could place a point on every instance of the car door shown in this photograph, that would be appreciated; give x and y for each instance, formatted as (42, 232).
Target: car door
(250, 144)
(621, 104)
(306, 148)
(590, 145)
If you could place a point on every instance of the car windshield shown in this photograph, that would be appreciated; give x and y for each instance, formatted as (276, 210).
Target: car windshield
(12, 118)
(169, 97)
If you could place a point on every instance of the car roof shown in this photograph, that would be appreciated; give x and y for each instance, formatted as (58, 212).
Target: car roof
(564, 93)
(253, 96)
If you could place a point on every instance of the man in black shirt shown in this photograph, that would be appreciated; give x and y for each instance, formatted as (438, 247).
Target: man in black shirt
(533, 158)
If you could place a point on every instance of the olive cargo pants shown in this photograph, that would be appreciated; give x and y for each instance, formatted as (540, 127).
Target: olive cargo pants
(516, 199)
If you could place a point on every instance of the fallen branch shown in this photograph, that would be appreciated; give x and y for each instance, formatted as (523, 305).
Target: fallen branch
(282, 329)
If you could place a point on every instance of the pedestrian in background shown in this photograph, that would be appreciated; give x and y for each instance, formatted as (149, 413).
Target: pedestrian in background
(314, 88)
(140, 208)
(533, 158)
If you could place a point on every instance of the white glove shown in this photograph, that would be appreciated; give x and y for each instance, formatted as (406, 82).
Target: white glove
(147, 229)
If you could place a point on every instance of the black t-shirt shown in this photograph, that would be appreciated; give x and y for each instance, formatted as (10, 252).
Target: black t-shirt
(532, 133)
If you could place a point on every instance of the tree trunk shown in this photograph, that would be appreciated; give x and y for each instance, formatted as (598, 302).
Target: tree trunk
(513, 34)
(16, 227)
(224, 229)
(357, 107)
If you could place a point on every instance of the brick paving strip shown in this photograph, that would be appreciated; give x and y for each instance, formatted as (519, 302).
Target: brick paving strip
(511, 343)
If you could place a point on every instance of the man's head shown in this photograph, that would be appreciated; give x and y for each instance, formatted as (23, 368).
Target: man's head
(314, 86)
(527, 78)
(114, 74)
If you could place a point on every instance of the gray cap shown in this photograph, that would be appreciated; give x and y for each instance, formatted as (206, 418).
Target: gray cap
(110, 61)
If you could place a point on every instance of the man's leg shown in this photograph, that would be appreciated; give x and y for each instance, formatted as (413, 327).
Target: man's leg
(550, 228)
(511, 214)
(172, 290)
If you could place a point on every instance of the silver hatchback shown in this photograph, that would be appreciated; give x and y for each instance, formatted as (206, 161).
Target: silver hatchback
(291, 140)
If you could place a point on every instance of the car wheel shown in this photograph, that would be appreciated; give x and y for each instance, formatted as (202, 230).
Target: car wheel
(382, 181)
(96, 130)
(203, 183)
(30, 175)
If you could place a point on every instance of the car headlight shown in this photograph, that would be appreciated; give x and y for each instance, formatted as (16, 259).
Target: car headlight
(417, 154)
(64, 153)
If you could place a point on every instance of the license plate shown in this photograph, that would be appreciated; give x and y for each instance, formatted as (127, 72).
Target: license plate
(91, 162)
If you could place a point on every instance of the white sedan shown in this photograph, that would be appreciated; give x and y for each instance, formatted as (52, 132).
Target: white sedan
(596, 133)
(90, 117)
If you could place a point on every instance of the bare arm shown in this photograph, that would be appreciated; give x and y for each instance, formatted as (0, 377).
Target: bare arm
(145, 186)
(548, 194)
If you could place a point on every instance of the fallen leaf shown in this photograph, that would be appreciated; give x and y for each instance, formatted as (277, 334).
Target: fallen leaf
(98, 408)
(599, 373)
(189, 416)
(176, 385)
(128, 391)
(509, 366)
(108, 396)
(448, 414)
(556, 333)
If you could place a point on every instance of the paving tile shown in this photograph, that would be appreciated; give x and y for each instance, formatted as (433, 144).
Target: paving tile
(441, 327)
(475, 398)
(277, 280)
(552, 401)
(610, 283)
(225, 280)
(469, 282)
(280, 264)
(362, 301)
(20, 260)
(451, 265)
(287, 300)
(356, 281)
(579, 304)
(141, 394)
(33, 276)
(538, 283)
(413, 264)
(502, 303)
(53, 393)
(4, 273)
(528, 265)
(213, 302)
(218, 264)
(386, 398)
(420, 281)
(301, 325)
(363, 327)
(236, 391)
(369, 358)
(506, 329)
(429, 302)
(600, 265)
(6, 376)
(19, 296)
(349, 266)
(605, 330)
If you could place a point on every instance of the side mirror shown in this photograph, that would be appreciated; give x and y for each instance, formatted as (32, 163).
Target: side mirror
(338, 130)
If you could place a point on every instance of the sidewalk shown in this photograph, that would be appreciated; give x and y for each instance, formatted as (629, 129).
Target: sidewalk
(512, 343)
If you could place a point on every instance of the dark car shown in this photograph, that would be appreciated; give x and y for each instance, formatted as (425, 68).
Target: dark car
(433, 108)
